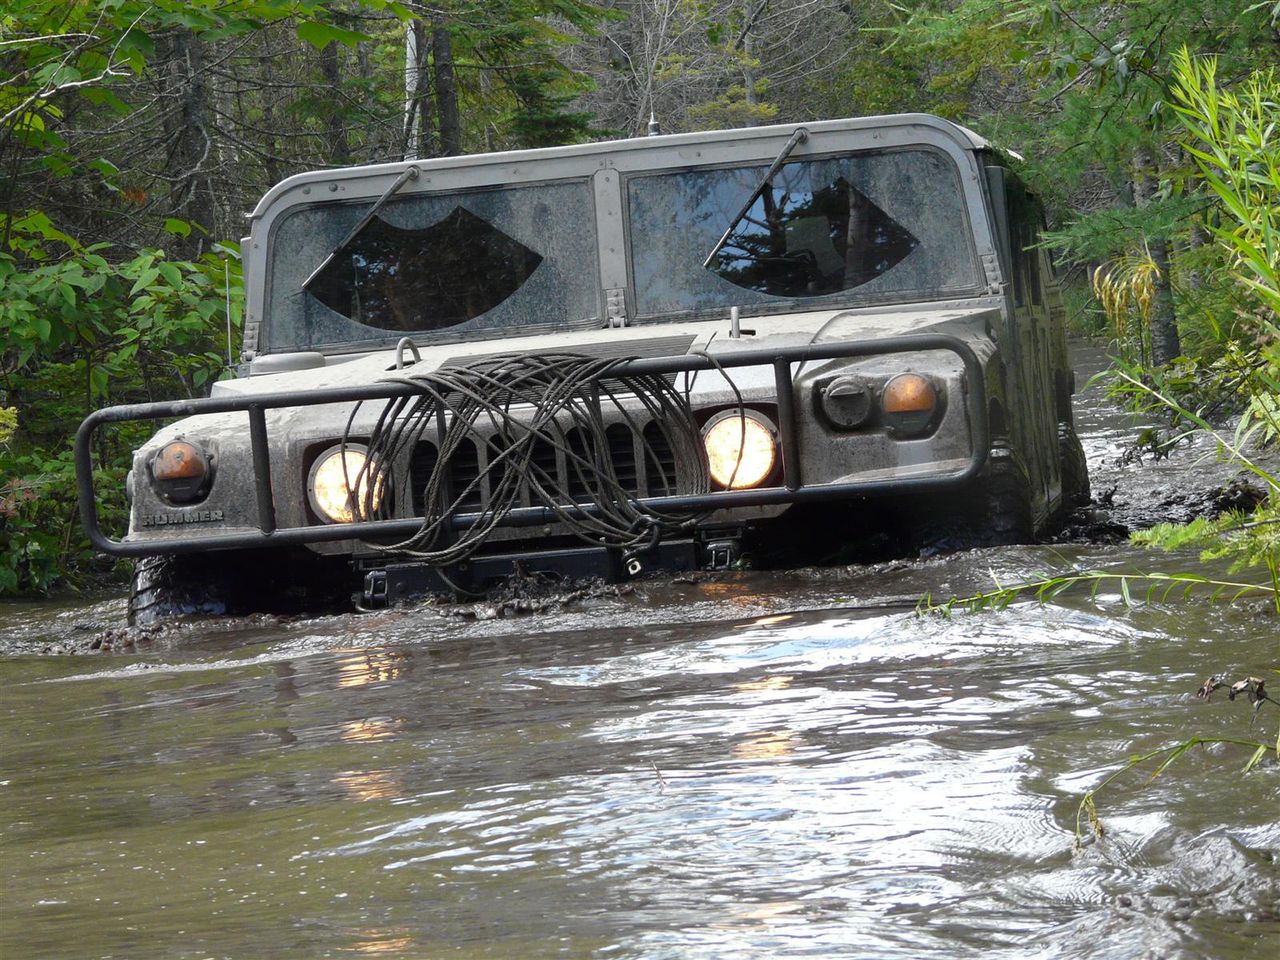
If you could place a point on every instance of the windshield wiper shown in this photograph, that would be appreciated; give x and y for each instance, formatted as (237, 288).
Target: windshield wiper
(410, 173)
(797, 138)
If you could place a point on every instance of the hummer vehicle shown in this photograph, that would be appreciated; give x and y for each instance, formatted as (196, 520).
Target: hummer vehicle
(765, 345)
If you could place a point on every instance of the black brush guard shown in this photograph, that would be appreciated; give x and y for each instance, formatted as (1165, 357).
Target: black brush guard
(794, 489)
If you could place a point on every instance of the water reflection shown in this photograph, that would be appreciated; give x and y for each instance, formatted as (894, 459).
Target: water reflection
(378, 943)
(764, 684)
(776, 745)
(364, 785)
(829, 783)
(368, 731)
(371, 666)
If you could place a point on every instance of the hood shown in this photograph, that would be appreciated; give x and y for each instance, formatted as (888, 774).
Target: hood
(645, 340)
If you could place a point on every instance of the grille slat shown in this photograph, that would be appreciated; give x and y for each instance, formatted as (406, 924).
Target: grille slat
(622, 454)
(464, 468)
(640, 471)
(660, 464)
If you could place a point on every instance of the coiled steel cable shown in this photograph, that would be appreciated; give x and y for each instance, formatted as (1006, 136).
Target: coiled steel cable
(512, 405)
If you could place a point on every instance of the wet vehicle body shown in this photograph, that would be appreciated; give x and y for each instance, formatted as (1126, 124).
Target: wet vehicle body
(609, 358)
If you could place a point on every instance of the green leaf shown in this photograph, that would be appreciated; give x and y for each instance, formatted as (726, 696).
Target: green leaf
(178, 227)
(172, 275)
(320, 35)
(98, 380)
(1257, 756)
(147, 278)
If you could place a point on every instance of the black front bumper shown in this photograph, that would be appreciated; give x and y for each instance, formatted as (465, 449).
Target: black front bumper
(792, 490)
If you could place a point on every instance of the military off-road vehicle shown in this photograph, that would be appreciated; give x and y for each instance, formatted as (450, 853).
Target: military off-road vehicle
(765, 345)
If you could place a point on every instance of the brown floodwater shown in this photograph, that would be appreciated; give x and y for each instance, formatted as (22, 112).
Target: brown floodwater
(751, 765)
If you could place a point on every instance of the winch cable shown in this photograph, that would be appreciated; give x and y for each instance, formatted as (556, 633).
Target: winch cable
(511, 405)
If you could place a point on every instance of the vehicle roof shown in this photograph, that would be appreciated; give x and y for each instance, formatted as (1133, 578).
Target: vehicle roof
(962, 136)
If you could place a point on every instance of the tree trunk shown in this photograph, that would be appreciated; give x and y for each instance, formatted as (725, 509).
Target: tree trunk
(374, 138)
(335, 129)
(418, 127)
(427, 128)
(270, 146)
(1165, 345)
(193, 145)
(1198, 238)
(446, 92)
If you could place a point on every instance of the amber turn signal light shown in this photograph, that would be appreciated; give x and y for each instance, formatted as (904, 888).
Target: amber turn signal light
(180, 472)
(909, 402)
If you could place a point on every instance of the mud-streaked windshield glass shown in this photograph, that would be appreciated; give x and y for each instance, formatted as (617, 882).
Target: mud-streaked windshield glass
(869, 226)
(453, 265)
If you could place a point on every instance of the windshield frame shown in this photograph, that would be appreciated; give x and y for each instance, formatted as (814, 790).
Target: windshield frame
(604, 164)
(447, 335)
(840, 300)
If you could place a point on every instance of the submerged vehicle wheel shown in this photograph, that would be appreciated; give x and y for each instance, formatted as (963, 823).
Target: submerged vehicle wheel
(994, 510)
(169, 586)
(1005, 504)
(1075, 469)
(237, 582)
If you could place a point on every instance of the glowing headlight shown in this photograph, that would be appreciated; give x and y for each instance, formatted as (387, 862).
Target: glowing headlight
(740, 449)
(340, 491)
(910, 402)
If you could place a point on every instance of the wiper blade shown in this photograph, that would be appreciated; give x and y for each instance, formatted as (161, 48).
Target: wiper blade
(797, 138)
(410, 173)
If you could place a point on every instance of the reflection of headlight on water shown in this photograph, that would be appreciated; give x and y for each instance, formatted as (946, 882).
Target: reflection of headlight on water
(332, 476)
(774, 745)
(741, 449)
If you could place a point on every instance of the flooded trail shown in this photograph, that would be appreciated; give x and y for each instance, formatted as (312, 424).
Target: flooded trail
(754, 765)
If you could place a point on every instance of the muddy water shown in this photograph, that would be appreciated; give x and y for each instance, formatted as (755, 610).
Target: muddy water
(756, 765)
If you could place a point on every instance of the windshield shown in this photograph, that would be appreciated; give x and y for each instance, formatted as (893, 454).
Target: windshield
(450, 265)
(865, 227)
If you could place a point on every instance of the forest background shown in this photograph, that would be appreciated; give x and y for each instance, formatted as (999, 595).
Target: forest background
(134, 135)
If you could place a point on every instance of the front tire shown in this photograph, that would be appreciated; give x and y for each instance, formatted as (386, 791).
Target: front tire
(993, 510)
(171, 586)
(237, 582)
(1074, 467)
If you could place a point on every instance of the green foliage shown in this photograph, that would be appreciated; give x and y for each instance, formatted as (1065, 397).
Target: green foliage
(1233, 138)
(78, 331)
(1087, 810)
(1100, 234)
(1245, 539)
(8, 424)
(1126, 584)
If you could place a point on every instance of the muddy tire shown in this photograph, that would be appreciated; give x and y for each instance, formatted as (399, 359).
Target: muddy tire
(171, 586)
(994, 510)
(1075, 469)
(1005, 515)
(237, 582)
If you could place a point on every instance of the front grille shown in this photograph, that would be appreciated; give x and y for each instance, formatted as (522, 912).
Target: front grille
(640, 474)
(464, 469)
(660, 463)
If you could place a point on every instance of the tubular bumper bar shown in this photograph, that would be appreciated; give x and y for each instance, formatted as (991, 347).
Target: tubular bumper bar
(781, 359)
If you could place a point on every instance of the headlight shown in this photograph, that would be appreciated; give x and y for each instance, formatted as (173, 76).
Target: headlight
(740, 449)
(180, 472)
(910, 402)
(343, 485)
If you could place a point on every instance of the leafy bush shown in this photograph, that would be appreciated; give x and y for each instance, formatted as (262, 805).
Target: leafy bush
(79, 331)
